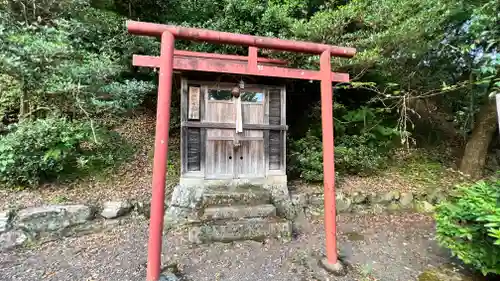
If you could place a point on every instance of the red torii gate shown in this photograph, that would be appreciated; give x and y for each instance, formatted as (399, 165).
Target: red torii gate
(171, 59)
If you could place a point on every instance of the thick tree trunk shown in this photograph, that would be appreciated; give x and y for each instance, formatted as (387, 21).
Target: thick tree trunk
(476, 150)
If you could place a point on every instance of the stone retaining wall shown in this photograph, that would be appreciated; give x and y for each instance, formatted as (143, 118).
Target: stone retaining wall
(366, 202)
(54, 221)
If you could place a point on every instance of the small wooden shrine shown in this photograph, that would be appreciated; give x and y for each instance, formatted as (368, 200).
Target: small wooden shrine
(233, 133)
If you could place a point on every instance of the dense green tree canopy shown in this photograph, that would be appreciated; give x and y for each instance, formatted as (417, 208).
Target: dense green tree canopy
(71, 59)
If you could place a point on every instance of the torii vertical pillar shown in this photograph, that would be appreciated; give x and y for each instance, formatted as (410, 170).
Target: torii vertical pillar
(328, 157)
(160, 156)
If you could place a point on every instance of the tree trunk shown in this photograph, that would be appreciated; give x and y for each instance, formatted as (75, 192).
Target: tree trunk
(476, 150)
(24, 105)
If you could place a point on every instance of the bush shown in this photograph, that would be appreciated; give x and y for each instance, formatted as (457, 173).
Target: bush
(353, 155)
(43, 149)
(469, 225)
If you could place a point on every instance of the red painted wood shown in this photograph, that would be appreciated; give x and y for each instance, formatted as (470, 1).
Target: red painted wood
(328, 157)
(252, 59)
(160, 157)
(208, 65)
(226, 57)
(205, 35)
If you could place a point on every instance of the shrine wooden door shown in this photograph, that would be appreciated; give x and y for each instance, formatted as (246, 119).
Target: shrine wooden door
(232, 154)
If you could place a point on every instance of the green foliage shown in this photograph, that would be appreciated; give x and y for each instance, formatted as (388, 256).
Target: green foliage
(469, 225)
(353, 155)
(72, 59)
(60, 60)
(10, 90)
(62, 69)
(38, 150)
(306, 158)
(363, 138)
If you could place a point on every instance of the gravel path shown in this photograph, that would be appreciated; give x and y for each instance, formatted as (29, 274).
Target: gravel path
(380, 247)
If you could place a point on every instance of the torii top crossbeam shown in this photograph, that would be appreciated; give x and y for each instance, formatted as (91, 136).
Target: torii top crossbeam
(171, 59)
(194, 34)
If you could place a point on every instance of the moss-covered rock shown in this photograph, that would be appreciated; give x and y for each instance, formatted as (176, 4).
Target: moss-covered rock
(444, 273)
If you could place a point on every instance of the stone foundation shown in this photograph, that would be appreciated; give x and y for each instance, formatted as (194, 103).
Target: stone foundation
(187, 195)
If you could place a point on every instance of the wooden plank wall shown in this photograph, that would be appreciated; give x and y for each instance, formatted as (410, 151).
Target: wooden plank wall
(275, 140)
(191, 140)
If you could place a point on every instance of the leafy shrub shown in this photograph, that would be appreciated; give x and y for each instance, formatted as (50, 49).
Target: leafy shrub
(307, 158)
(469, 225)
(353, 155)
(33, 151)
(362, 143)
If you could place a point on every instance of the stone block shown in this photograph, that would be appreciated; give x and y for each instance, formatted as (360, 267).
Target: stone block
(359, 198)
(143, 208)
(114, 209)
(226, 197)
(238, 212)
(187, 196)
(249, 229)
(392, 207)
(343, 204)
(425, 207)
(53, 218)
(299, 199)
(406, 199)
(169, 277)
(383, 197)
(5, 217)
(12, 239)
(445, 273)
(317, 199)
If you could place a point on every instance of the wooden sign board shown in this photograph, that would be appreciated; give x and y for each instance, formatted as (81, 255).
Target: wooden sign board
(194, 103)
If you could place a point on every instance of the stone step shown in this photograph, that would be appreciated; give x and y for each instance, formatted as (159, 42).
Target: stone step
(247, 229)
(240, 196)
(238, 212)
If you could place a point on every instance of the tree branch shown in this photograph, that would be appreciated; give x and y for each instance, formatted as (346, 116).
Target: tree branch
(86, 113)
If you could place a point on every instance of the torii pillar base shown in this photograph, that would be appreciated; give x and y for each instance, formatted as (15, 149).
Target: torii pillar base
(337, 269)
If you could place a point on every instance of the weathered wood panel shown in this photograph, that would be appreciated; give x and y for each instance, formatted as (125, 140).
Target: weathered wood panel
(253, 113)
(194, 103)
(233, 126)
(184, 99)
(275, 139)
(275, 150)
(253, 134)
(250, 159)
(275, 107)
(219, 159)
(193, 149)
(220, 111)
(220, 134)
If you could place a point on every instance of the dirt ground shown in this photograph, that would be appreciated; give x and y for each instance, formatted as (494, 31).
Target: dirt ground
(382, 247)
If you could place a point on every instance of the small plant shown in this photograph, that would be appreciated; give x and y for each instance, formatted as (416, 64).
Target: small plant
(59, 199)
(469, 225)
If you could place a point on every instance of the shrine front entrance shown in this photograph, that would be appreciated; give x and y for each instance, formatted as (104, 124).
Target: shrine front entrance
(232, 139)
